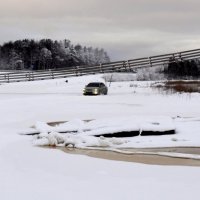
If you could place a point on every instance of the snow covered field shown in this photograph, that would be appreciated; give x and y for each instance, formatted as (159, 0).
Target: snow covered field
(31, 172)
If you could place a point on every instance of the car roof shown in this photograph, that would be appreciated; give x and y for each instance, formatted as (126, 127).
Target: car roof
(95, 83)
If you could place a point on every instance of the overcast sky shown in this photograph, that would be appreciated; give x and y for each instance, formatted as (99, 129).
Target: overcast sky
(124, 28)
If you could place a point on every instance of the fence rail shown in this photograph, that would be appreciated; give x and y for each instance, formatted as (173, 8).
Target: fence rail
(125, 65)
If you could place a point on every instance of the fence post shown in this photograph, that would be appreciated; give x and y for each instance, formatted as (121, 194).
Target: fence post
(128, 65)
(5, 77)
(173, 57)
(124, 65)
(52, 75)
(100, 67)
(150, 63)
(32, 76)
(76, 71)
(180, 56)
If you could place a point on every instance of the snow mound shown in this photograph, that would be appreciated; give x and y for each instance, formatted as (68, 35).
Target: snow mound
(78, 141)
(110, 125)
(77, 133)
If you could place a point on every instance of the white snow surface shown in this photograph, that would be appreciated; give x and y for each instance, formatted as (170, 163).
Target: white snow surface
(93, 127)
(31, 172)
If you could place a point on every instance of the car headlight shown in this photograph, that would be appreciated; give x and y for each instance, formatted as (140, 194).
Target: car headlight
(95, 91)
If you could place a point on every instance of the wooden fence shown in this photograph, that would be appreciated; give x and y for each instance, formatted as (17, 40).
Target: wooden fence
(119, 66)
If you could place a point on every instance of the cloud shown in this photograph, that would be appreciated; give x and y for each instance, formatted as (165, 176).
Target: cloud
(125, 28)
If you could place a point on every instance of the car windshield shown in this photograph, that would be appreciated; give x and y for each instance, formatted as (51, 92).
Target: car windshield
(93, 85)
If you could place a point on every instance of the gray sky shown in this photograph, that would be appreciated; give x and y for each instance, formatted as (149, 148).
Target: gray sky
(124, 28)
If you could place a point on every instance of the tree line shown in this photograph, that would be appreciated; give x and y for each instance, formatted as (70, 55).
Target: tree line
(48, 54)
(183, 68)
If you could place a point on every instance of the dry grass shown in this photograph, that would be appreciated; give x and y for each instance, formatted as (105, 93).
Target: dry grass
(181, 86)
(188, 82)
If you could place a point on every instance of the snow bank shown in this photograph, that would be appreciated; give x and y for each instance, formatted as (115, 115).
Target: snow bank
(110, 125)
(69, 140)
(78, 133)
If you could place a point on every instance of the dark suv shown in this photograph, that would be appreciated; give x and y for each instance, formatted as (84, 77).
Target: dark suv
(95, 88)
